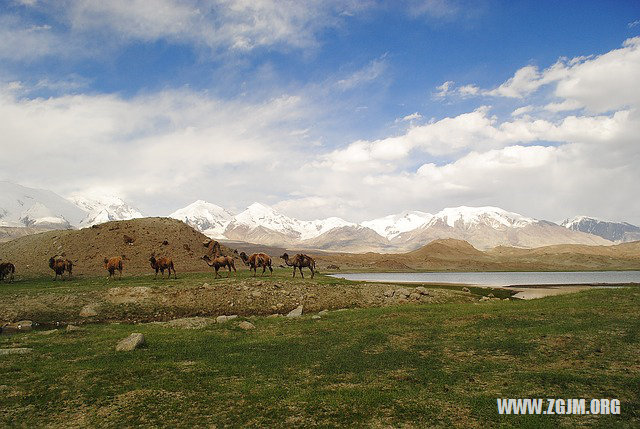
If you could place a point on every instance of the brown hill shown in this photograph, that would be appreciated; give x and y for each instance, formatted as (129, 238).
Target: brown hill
(137, 239)
(458, 255)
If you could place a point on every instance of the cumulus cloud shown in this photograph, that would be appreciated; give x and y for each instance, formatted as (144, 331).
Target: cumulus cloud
(597, 83)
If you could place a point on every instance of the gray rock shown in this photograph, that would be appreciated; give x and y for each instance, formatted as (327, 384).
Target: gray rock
(491, 295)
(466, 289)
(189, 322)
(402, 293)
(246, 325)
(415, 296)
(315, 316)
(485, 298)
(132, 342)
(422, 290)
(88, 311)
(296, 312)
(224, 319)
(256, 294)
(49, 332)
(71, 328)
(323, 312)
(388, 293)
(16, 351)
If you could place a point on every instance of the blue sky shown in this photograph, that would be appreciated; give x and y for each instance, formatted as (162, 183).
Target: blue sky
(351, 108)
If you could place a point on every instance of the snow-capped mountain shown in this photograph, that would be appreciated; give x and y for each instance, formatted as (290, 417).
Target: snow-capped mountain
(21, 207)
(393, 225)
(260, 222)
(210, 219)
(102, 208)
(618, 232)
(487, 227)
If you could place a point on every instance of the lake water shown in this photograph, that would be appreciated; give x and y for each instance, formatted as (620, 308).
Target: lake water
(502, 278)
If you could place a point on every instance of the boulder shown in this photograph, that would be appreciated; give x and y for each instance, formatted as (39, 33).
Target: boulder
(88, 311)
(315, 316)
(296, 312)
(422, 290)
(466, 289)
(388, 293)
(132, 342)
(402, 293)
(71, 328)
(414, 296)
(224, 319)
(246, 325)
(323, 312)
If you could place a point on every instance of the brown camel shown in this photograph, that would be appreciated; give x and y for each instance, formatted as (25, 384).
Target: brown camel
(257, 260)
(59, 265)
(220, 261)
(7, 269)
(113, 264)
(162, 264)
(299, 261)
(213, 247)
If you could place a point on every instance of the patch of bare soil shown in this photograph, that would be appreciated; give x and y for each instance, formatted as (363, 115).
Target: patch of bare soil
(246, 297)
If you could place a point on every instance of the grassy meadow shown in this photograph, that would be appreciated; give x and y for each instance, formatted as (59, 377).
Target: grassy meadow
(436, 365)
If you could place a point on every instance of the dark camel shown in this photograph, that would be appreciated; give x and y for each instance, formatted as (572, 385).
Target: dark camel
(257, 260)
(299, 261)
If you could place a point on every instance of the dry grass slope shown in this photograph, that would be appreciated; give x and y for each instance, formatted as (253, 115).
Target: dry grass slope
(87, 248)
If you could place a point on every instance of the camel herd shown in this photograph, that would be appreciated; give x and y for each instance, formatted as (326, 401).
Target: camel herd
(213, 258)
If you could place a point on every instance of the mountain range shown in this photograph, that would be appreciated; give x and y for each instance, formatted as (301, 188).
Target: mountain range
(483, 227)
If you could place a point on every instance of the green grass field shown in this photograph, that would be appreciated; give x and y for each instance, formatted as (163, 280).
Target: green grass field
(439, 365)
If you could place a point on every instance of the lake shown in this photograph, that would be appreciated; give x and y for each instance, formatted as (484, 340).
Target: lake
(502, 278)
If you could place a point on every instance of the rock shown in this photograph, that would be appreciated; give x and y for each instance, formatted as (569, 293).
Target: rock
(15, 351)
(402, 293)
(485, 298)
(388, 293)
(491, 295)
(323, 312)
(256, 294)
(246, 325)
(272, 316)
(223, 319)
(189, 322)
(88, 311)
(466, 289)
(422, 290)
(296, 312)
(205, 285)
(415, 296)
(132, 342)
(315, 316)
(50, 332)
(71, 328)
(279, 305)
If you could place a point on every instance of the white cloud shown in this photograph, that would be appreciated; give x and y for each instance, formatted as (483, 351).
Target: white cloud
(367, 74)
(522, 110)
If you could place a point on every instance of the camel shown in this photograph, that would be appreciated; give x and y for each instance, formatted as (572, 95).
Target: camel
(213, 247)
(220, 261)
(7, 269)
(257, 260)
(113, 264)
(299, 261)
(162, 264)
(59, 265)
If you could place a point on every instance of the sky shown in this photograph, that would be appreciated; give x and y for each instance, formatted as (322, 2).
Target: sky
(356, 109)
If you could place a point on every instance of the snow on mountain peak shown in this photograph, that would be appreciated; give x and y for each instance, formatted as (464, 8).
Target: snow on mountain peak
(494, 217)
(103, 207)
(393, 225)
(209, 218)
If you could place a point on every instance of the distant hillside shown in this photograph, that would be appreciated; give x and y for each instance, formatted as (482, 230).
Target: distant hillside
(458, 255)
(619, 232)
(89, 246)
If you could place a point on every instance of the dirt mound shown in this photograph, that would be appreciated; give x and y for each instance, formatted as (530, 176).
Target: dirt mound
(447, 249)
(137, 239)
